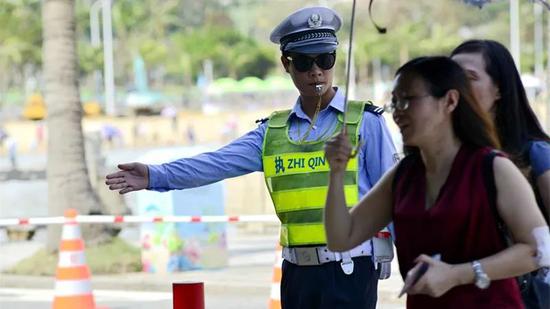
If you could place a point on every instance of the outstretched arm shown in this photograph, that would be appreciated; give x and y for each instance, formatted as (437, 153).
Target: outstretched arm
(242, 156)
(346, 229)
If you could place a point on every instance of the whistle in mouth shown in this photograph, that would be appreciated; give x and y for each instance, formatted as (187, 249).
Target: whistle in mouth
(318, 89)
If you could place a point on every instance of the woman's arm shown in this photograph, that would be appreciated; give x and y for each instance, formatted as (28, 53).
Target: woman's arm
(517, 207)
(346, 229)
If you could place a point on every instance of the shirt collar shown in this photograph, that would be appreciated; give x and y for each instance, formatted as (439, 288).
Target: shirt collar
(337, 103)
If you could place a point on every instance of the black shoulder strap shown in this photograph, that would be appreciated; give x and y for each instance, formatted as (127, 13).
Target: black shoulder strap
(489, 177)
(490, 185)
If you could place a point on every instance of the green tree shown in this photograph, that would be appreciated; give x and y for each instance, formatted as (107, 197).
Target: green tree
(20, 41)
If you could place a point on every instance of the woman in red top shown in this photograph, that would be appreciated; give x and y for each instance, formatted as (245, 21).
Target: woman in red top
(439, 198)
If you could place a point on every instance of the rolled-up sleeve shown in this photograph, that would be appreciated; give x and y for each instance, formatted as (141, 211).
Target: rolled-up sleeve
(242, 156)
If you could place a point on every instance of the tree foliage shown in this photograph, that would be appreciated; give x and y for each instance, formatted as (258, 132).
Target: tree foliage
(175, 37)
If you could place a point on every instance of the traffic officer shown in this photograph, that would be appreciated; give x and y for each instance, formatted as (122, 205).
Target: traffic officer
(288, 148)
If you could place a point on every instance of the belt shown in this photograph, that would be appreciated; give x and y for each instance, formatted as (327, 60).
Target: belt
(307, 256)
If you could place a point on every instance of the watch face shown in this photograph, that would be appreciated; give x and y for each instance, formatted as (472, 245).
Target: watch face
(483, 281)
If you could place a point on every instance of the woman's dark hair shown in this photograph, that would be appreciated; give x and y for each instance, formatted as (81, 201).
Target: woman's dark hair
(515, 121)
(471, 124)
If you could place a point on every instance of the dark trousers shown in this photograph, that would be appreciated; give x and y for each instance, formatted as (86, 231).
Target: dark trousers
(326, 286)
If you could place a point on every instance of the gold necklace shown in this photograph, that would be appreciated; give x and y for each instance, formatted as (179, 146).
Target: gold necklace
(319, 91)
(312, 123)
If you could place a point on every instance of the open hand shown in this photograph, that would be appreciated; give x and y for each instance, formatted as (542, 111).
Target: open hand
(131, 177)
(338, 152)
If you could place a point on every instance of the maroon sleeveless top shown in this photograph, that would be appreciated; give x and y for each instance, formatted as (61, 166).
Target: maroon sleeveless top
(461, 226)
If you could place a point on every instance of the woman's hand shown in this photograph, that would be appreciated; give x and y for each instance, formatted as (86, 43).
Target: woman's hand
(438, 279)
(338, 152)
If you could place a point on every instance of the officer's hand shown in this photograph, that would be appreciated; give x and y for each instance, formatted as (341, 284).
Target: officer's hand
(338, 152)
(131, 177)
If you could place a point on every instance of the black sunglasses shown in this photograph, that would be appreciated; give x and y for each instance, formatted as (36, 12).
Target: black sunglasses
(303, 63)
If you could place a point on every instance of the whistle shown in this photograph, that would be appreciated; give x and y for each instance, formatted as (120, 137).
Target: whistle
(319, 89)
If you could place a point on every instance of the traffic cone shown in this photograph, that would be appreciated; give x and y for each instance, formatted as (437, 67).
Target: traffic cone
(73, 288)
(275, 298)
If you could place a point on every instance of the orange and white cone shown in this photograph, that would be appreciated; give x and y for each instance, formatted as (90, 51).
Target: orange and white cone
(275, 298)
(73, 288)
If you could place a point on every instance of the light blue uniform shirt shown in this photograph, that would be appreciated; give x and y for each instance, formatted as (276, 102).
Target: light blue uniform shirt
(244, 155)
(539, 153)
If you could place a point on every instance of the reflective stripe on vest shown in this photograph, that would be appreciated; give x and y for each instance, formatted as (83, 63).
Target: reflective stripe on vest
(297, 176)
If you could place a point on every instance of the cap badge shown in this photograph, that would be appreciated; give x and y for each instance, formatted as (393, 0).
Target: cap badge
(315, 21)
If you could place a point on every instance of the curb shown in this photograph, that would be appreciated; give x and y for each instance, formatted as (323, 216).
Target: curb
(246, 280)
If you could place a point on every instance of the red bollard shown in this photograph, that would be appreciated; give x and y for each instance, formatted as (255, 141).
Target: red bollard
(188, 295)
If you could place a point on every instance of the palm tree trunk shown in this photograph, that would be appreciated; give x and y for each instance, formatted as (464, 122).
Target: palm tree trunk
(68, 182)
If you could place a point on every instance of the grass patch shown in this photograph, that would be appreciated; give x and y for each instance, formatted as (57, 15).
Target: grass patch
(114, 257)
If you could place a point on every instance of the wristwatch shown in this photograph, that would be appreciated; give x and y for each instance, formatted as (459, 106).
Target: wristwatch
(482, 281)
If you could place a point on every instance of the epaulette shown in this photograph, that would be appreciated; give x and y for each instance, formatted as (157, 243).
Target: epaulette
(369, 107)
(261, 120)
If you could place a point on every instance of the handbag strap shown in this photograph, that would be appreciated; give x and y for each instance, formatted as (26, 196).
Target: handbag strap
(489, 178)
(490, 185)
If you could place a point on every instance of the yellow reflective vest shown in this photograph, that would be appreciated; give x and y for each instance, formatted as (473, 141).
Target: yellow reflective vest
(296, 175)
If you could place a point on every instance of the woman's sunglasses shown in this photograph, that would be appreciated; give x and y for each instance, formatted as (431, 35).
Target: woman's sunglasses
(303, 63)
